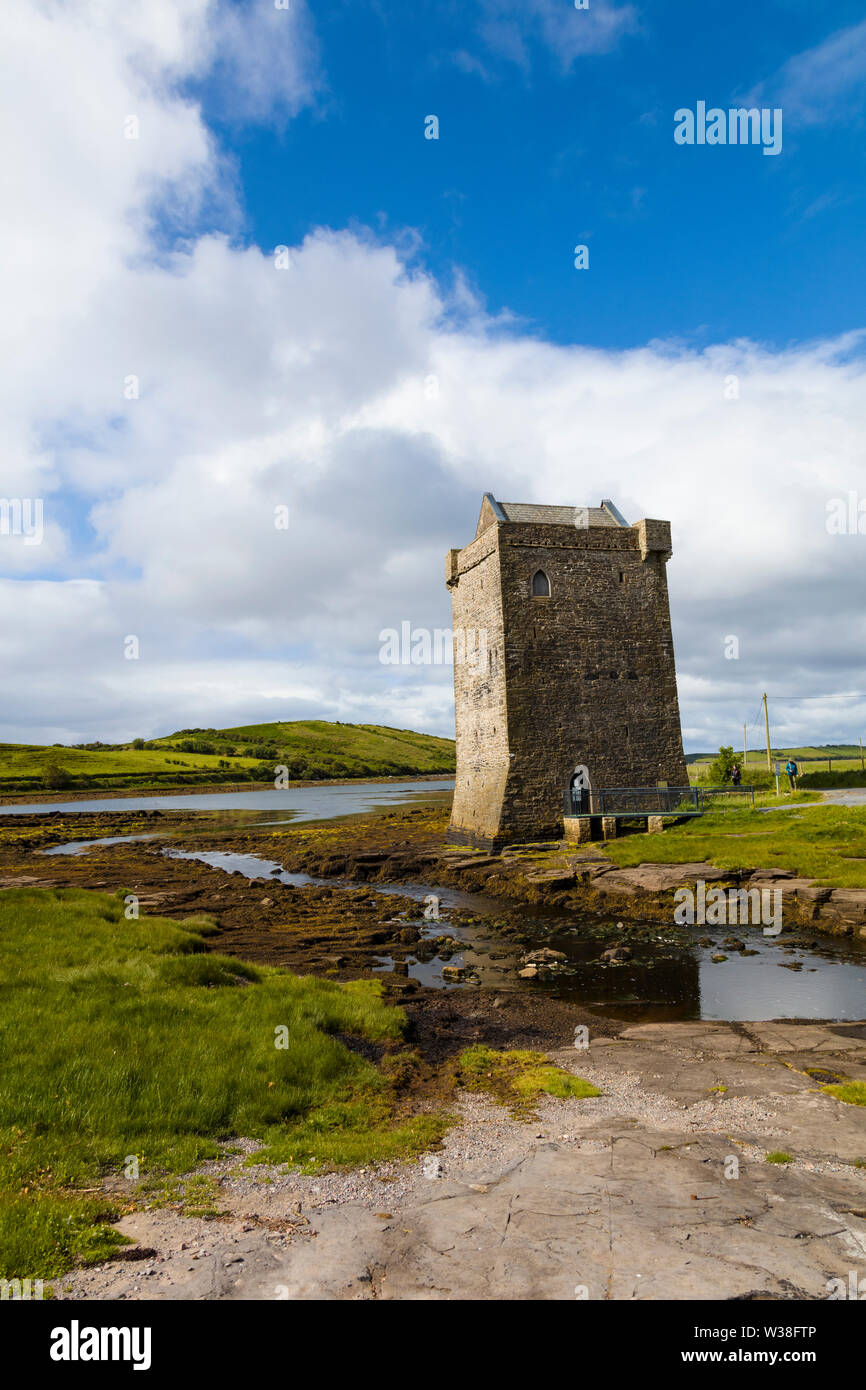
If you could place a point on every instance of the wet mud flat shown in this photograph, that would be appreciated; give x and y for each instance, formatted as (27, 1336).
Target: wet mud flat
(533, 934)
(286, 917)
(504, 1208)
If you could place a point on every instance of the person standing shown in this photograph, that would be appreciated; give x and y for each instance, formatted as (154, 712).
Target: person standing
(736, 775)
(793, 772)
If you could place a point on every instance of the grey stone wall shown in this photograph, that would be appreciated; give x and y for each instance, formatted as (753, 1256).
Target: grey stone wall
(583, 677)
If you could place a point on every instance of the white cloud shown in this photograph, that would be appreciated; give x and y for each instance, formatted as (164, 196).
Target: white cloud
(264, 60)
(352, 389)
(822, 84)
(507, 27)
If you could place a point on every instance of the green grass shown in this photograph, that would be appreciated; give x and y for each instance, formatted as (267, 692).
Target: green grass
(123, 1038)
(806, 752)
(23, 760)
(518, 1078)
(785, 798)
(852, 777)
(813, 763)
(827, 843)
(778, 1156)
(315, 745)
(310, 749)
(198, 1195)
(852, 1092)
(813, 750)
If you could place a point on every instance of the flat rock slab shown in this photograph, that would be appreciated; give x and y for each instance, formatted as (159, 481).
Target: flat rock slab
(658, 1189)
(819, 1038)
(715, 1038)
(657, 878)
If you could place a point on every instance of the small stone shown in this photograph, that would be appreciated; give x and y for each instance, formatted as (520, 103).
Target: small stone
(616, 954)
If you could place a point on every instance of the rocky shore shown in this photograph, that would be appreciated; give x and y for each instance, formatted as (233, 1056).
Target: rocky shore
(563, 877)
(657, 1189)
(629, 1194)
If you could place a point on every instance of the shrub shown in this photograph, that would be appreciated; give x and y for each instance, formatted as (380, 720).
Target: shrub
(719, 770)
(852, 777)
(53, 775)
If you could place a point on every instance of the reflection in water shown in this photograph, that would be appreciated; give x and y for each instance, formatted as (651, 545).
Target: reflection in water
(294, 803)
(668, 977)
(82, 846)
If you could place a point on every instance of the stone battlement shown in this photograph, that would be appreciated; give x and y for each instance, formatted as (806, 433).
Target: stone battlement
(579, 670)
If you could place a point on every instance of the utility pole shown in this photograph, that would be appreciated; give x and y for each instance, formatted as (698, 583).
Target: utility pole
(744, 745)
(862, 768)
(767, 727)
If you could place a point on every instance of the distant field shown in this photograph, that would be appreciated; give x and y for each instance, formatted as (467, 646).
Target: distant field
(821, 751)
(309, 749)
(832, 758)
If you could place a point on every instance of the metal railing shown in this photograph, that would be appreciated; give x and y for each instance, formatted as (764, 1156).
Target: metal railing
(655, 801)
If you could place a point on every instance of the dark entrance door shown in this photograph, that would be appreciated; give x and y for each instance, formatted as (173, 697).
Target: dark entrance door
(579, 792)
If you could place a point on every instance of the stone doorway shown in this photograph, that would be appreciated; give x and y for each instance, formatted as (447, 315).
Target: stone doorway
(577, 791)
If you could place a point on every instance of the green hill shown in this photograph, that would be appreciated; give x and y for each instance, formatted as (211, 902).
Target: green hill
(818, 752)
(311, 750)
(821, 765)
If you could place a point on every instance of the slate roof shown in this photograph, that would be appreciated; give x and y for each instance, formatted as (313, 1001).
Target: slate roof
(541, 515)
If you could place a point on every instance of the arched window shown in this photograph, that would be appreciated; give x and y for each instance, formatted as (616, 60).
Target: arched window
(540, 585)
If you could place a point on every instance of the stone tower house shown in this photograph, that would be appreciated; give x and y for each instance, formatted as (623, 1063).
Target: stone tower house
(563, 659)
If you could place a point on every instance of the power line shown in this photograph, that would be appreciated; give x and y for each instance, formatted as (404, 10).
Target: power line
(840, 695)
(802, 699)
(756, 719)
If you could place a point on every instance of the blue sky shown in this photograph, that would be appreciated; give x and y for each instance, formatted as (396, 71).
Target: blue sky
(536, 155)
(430, 340)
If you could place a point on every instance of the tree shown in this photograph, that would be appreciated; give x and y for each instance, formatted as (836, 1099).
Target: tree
(719, 771)
(53, 775)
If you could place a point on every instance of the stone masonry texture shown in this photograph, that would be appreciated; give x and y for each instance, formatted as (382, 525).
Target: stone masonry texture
(581, 677)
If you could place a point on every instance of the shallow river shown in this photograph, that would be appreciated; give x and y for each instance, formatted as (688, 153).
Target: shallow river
(668, 979)
(294, 803)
